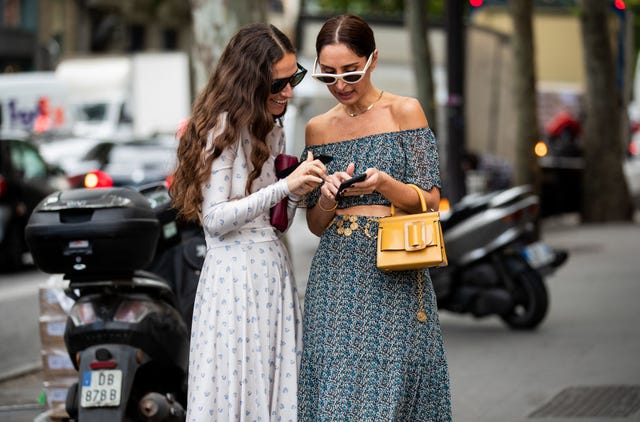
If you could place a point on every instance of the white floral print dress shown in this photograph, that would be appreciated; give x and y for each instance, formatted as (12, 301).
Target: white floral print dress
(246, 329)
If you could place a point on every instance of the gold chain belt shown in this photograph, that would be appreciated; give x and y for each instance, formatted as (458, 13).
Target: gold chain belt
(346, 225)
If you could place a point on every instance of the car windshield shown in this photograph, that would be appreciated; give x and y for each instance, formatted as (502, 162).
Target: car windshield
(127, 157)
(91, 112)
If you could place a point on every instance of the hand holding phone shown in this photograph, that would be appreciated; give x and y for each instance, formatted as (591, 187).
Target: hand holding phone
(284, 173)
(344, 185)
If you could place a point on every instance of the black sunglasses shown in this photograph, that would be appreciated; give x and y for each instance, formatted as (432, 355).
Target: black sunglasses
(279, 84)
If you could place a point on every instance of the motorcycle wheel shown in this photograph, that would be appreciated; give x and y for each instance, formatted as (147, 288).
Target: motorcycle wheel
(531, 300)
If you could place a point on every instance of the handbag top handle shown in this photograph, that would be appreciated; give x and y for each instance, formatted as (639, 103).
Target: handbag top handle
(423, 203)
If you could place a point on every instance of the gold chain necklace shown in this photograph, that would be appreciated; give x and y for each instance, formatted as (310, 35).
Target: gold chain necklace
(366, 109)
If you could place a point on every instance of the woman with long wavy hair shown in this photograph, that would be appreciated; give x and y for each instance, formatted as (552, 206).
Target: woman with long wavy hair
(246, 334)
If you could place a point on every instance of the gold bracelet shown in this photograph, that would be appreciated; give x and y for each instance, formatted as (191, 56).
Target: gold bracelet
(326, 209)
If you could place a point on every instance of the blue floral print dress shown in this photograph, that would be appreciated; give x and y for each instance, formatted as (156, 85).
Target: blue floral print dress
(366, 357)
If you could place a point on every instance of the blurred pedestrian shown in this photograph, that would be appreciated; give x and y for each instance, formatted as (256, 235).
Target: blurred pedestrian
(246, 333)
(366, 356)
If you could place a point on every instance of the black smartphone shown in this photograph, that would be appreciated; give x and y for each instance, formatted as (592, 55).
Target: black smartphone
(347, 183)
(325, 159)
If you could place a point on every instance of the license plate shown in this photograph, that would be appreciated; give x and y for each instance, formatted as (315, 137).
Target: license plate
(538, 254)
(101, 388)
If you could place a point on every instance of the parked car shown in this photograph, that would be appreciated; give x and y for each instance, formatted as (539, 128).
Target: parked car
(25, 179)
(561, 162)
(63, 149)
(133, 163)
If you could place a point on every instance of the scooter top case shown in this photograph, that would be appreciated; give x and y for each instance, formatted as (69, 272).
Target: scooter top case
(89, 232)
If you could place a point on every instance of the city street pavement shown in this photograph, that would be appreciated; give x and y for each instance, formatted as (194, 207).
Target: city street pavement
(588, 345)
(582, 363)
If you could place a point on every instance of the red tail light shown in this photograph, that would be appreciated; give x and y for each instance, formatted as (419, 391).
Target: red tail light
(3, 186)
(107, 364)
(97, 179)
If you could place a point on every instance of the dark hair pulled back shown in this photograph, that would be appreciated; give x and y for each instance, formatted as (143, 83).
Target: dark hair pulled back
(350, 30)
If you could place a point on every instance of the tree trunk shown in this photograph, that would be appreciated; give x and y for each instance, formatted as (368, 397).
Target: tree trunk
(417, 23)
(605, 193)
(454, 186)
(214, 22)
(524, 91)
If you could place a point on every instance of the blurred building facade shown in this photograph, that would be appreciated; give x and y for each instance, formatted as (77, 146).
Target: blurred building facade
(37, 34)
(18, 35)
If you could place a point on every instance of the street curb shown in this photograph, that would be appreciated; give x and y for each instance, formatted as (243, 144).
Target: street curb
(20, 371)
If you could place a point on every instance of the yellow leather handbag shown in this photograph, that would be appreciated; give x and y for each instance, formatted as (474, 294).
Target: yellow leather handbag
(410, 242)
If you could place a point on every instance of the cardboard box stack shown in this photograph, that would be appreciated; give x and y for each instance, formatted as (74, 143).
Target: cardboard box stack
(58, 370)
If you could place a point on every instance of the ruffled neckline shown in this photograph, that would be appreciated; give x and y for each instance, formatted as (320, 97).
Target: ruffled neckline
(373, 135)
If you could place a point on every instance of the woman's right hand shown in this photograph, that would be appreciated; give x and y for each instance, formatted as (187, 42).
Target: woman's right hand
(329, 190)
(308, 176)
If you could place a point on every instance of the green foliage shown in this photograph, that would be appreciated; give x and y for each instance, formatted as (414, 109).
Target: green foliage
(362, 7)
(370, 8)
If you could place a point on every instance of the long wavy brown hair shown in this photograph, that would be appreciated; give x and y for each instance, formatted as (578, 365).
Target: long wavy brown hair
(239, 86)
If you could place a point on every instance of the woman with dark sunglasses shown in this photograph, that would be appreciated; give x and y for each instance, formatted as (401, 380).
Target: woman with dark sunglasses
(246, 326)
(373, 349)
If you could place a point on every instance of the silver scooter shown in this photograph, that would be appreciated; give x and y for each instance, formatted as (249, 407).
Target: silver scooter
(497, 263)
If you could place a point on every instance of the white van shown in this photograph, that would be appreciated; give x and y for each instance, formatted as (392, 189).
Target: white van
(32, 102)
(120, 97)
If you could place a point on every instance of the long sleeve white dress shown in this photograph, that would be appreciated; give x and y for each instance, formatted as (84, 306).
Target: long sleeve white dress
(246, 338)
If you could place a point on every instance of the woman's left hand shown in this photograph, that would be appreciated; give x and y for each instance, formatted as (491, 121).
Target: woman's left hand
(368, 185)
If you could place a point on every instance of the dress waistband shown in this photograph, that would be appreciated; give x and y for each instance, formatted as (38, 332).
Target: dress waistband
(243, 237)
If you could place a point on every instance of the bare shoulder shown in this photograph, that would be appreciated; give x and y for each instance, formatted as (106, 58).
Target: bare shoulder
(316, 131)
(408, 112)
(313, 131)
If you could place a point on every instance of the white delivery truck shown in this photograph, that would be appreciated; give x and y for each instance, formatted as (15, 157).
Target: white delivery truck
(124, 97)
(32, 102)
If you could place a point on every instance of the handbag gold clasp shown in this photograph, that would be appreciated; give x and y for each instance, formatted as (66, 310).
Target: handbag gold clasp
(417, 235)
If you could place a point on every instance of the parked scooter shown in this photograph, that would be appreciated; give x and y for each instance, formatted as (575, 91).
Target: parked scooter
(124, 334)
(496, 263)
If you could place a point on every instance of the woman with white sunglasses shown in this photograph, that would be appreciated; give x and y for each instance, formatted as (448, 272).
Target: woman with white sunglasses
(373, 349)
